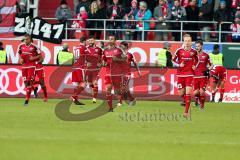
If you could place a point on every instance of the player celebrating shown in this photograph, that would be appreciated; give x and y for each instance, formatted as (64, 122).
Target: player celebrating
(29, 54)
(219, 74)
(126, 68)
(39, 72)
(113, 78)
(200, 79)
(94, 59)
(186, 59)
(78, 74)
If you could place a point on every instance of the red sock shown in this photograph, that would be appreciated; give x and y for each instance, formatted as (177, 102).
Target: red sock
(183, 97)
(45, 92)
(120, 98)
(131, 98)
(109, 99)
(214, 93)
(187, 101)
(28, 94)
(221, 90)
(78, 90)
(197, 97)
(95, 91)
(202, 100)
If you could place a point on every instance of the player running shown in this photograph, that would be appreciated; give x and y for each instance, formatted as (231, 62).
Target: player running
(29, 54)
(200, 80)
(126, 68)
(185, 59)
(78, 74)
(219, 74)
(112, 55)
(94, 64)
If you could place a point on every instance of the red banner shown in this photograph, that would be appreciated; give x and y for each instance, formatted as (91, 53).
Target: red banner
(7, 17)
(155, 83)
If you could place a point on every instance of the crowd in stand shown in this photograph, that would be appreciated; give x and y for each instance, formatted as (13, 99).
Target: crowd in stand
(162, 11)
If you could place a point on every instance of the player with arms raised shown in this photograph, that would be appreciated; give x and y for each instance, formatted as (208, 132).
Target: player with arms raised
(29, 54)
(200, 79)
(185, 59)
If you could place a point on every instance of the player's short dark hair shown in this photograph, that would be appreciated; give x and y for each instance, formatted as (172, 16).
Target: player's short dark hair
(199, 41)
(82, 39)
(28, 35)
(1, 43)
(124, 43)
(216, 46)
(91, 37)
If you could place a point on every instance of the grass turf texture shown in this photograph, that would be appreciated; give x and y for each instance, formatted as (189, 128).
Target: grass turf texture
(34, 132)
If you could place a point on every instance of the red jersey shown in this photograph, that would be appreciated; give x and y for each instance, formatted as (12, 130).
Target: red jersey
(94, 57)
(126, 67)
(80, 57)
(112, 67)
(203, 62)
(219, 72)
(189, 58)
(27, 51)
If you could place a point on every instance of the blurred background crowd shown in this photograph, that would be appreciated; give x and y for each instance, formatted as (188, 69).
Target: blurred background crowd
(211, 15)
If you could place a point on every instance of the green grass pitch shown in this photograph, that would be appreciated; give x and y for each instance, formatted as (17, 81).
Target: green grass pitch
(35, 133)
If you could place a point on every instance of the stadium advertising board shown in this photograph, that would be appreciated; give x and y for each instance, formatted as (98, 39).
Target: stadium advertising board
(155, 83)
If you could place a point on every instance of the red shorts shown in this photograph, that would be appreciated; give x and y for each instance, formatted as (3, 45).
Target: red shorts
(116, 81)
(183, 82)
(40, 73)
(92, 75)
(200, 83)
(78, 75)
(28, 74)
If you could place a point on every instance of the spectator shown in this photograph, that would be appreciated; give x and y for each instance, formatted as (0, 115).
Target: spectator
(192, 12)
(205, 14)
(65, 57)
(143, 14)
(222, 15)
(216, 57)
(178, 14)
(115, 12)
(162, 13)
(80, 23)
(235, 27)
(130, 15)
(83, 3)
(21, 7)
(165, 56)
(97, 11)
(3, 55)
(63, 12)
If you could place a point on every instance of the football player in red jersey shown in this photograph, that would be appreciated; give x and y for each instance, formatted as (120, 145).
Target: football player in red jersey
(185, 59)
(39, 72)
(126, 68)
(78, 74)
(112, 55)
(94, 64)
(29, 54)
(219, 74)
(200, 80)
